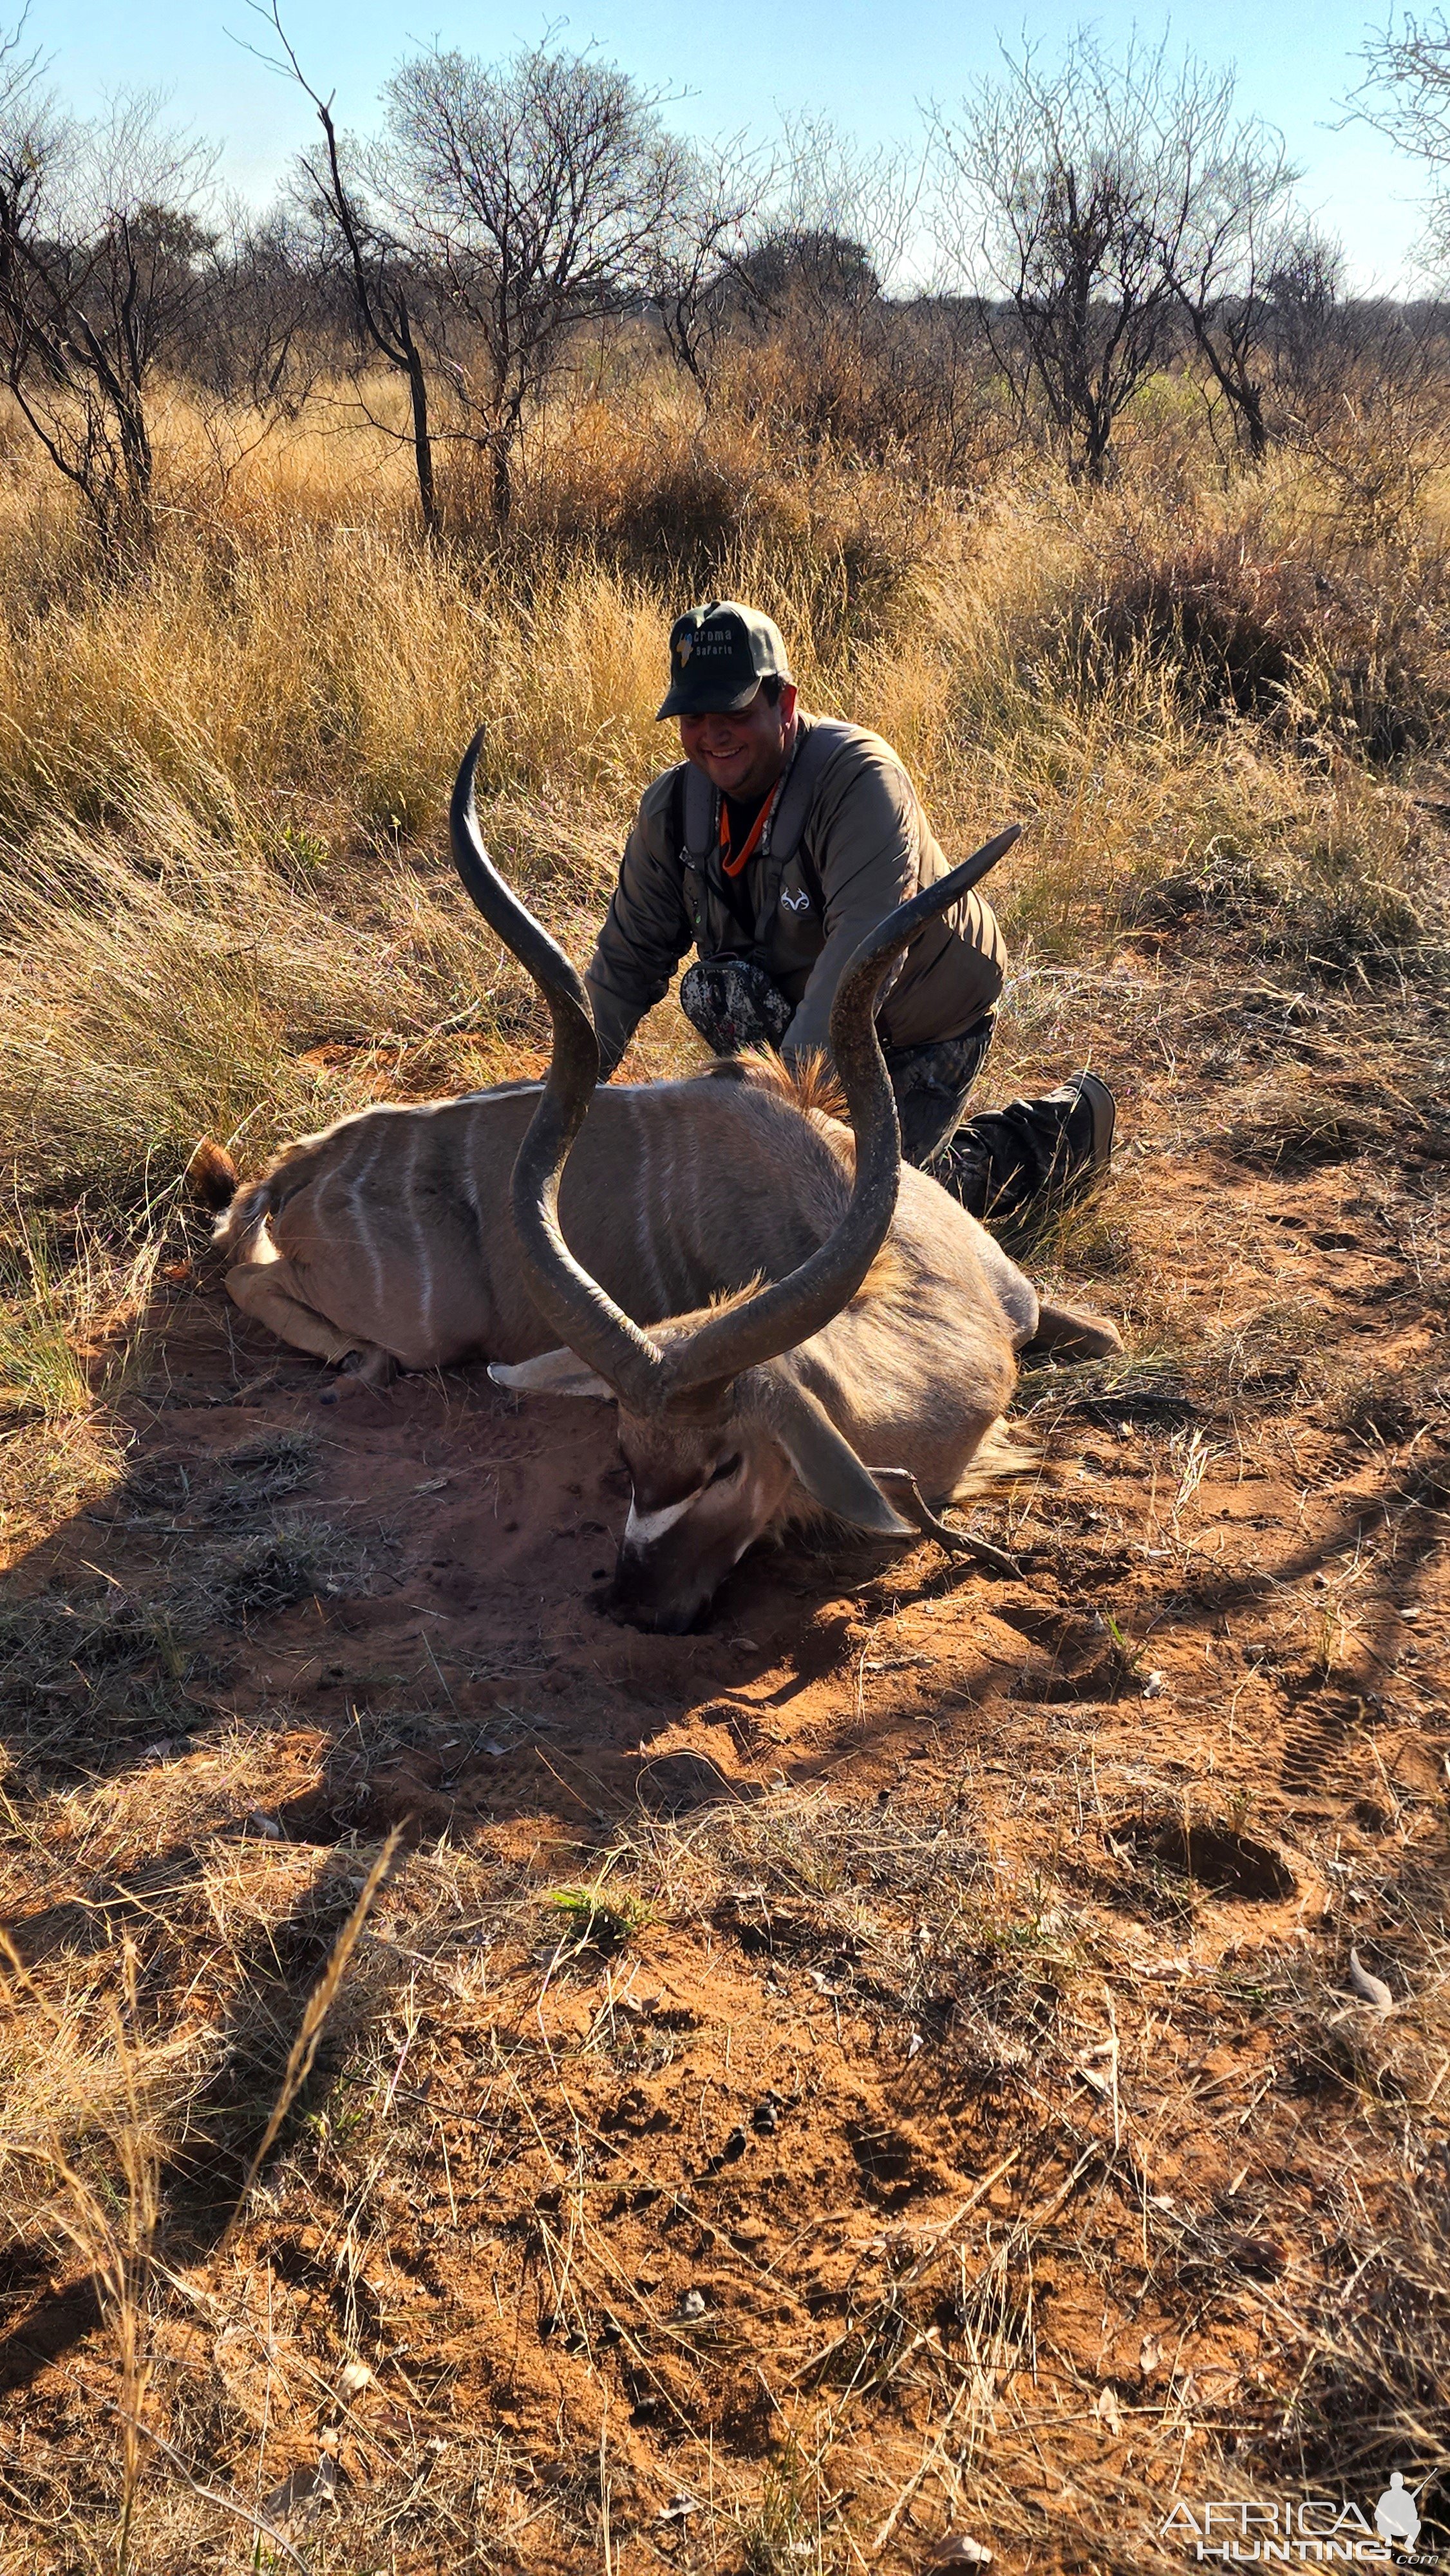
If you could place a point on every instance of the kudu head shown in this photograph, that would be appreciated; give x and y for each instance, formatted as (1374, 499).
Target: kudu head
(716, 1427)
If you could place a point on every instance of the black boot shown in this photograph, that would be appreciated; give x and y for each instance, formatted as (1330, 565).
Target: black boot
(1006, 1161)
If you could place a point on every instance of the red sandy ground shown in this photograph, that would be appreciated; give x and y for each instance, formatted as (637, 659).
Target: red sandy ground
(926, 2045)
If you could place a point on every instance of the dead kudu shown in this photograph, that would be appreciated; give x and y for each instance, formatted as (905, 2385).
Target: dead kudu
(767, 1295)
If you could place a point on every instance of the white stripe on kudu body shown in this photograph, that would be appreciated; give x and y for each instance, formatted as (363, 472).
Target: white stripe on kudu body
(365, 1231)
(423, 1247)
(648, 1200)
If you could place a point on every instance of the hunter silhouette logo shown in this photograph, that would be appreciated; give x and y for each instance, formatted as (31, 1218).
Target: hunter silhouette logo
(1395, 2517)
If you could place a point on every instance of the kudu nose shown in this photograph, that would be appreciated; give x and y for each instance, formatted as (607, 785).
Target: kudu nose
(640, 1599)
(659, 1619)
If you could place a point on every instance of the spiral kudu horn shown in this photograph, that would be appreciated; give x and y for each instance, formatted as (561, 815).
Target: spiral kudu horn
(645, 1374)
(575, 1305)
(775, 1319)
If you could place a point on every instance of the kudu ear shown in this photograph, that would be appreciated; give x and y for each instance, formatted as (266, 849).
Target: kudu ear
(824, 1459)
(552, 1373)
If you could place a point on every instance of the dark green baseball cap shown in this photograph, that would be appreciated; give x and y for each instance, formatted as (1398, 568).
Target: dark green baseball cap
(719, 654)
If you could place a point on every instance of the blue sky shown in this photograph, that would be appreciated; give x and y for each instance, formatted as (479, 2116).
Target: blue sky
(864, 63)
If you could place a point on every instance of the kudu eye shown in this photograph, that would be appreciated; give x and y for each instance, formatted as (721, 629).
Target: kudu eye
(727, 1468)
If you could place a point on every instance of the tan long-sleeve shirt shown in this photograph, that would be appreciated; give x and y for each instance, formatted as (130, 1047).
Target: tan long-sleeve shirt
(863, 847)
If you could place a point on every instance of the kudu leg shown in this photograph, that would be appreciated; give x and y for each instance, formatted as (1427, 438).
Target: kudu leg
(1070, 1335)
(264, 1290)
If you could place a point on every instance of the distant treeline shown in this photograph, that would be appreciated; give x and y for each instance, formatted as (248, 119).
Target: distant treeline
(506, 232)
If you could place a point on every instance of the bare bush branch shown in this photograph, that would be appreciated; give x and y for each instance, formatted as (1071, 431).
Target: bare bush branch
(101, 252)
(533, 196)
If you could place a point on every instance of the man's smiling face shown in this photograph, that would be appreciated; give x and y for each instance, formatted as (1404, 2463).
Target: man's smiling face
(742, 754)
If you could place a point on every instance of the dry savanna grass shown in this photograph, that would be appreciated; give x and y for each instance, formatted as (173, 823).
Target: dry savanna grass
(935, 2065)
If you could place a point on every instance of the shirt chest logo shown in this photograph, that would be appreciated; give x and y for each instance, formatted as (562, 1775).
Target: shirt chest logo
(794, 902)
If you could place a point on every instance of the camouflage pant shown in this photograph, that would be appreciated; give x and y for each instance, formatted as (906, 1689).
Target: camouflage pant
(997, 1163)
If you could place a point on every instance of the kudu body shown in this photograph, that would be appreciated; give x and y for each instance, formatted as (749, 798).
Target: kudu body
(817, 1310)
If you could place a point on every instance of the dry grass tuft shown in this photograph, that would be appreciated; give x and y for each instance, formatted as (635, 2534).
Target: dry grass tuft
(888, 2068)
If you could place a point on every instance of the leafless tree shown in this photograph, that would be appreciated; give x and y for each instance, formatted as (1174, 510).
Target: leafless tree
(101, 251)
(1227, 228)
(1054, 196)
(706, 232)
(835, 189)
(832, 241)
(534, 195)
(1362, 389)
(1304, 293)
(386, 290)
(269, 315)
(1405, 95)
(1381, 422)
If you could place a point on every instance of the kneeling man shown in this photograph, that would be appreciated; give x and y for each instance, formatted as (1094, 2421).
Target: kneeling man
(777, 843)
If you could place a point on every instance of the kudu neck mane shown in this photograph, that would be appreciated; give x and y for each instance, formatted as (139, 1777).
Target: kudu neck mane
(810, 1083)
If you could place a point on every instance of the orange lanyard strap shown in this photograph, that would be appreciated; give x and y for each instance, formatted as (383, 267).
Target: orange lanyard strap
(730, 865)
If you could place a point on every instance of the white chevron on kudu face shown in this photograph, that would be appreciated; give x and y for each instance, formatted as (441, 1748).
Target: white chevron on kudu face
(643, 1528)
